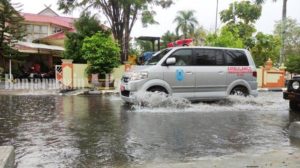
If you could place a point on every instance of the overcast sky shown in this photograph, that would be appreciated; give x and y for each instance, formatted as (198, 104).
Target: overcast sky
(205, 13)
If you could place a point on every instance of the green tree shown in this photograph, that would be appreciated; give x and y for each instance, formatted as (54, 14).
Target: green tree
(101, 52)
(11, 30)
(283, 26)
(199, 36)
(121, 15)
(266, 46)
(144, 45)
(226, 38)
(240, 18)
(292, 36)
(293, 64)
(186, 22)
(85, 26)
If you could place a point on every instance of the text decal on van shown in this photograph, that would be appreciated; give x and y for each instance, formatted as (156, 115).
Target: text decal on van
(179, 74)
(239, 70)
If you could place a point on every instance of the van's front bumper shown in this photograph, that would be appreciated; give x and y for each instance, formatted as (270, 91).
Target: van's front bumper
(129, 90)
(127, 96)
(291, 96)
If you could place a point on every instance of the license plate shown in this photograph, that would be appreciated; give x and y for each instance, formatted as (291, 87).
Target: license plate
(122, 88)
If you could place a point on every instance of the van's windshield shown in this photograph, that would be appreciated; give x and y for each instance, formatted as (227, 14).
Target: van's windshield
(157, 57)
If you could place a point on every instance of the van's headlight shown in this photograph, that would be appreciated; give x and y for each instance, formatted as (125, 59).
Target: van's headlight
(138, 75)
(295, 85)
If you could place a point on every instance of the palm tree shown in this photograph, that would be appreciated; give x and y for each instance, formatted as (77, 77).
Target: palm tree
(186, 22)
(283, 20)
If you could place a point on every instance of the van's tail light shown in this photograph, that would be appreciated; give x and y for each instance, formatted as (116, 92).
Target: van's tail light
(254, 74)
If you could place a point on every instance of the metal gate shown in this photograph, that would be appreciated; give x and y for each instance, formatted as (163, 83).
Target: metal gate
(58, 73)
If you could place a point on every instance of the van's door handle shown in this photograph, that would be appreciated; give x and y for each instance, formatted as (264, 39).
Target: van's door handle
(220, 72)
(189, 72)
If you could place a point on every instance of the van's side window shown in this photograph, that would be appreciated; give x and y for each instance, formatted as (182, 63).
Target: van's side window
(183, 57)
(208, 57)
(236, 58)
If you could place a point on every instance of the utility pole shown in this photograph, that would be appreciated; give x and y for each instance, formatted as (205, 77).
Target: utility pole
(217, 11)
(233, 11)
(10, 75)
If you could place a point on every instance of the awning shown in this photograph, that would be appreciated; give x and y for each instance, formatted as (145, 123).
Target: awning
(152, 39)
(40, 46)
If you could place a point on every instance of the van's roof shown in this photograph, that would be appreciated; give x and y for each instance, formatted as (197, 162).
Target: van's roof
(208, 47)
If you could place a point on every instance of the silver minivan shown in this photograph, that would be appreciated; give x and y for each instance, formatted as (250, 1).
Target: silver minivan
(195, 73)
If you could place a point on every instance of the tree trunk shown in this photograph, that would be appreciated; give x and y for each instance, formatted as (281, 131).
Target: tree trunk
(121, 43)
(126, 31)
(283, 25)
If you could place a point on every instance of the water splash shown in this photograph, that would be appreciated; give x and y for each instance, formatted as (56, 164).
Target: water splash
(161, 103)
(159, 100)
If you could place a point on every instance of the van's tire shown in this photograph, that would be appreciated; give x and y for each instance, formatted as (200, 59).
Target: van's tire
(158, 89)
(240, 91)
(294, 105)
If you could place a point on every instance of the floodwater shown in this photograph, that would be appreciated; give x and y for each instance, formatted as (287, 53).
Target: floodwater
(100, 131)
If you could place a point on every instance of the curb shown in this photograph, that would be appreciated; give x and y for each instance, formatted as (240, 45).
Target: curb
(102, 92)
(271, 89)
(73, 92)
(7, 157)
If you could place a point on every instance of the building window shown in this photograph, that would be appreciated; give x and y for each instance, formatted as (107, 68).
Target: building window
(44, 29)
(35, 32)
(56, 29)
(29, 28)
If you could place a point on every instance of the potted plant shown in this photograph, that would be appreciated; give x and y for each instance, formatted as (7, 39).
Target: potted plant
(102, 54)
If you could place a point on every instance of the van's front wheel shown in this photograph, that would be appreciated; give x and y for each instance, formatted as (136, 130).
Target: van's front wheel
(240, 91)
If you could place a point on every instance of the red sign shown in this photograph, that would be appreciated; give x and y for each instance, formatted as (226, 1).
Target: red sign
(239, 70)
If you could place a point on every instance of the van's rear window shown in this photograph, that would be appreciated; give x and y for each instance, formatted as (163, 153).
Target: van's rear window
(236, 58)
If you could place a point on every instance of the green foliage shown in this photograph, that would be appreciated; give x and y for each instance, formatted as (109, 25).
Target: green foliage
(243, 11)
(266, 46)
(134, 50)
(240, 18)
(11, 29)
(121, 15)
(167, 38)
(292, 36)
(199, 36)
(283, 28)
(86, 26)
(186, 22)
(260, 2)
(293, 64)
(144, 45)
(226, 38)
(148, 18)
(101, 52)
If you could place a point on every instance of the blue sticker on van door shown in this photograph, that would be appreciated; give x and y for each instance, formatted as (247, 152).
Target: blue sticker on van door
(179, 74)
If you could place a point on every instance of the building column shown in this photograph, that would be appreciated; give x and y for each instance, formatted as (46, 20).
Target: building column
(67, 72)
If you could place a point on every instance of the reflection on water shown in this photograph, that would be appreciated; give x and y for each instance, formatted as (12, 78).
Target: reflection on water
(95, 131)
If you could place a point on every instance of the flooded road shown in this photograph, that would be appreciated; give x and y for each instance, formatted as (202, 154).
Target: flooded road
(97, 131)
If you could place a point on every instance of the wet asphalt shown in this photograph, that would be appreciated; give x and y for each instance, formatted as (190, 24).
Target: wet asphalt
(97, 131)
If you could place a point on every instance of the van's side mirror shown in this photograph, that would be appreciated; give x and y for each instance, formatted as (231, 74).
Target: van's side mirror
(171, 61)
